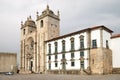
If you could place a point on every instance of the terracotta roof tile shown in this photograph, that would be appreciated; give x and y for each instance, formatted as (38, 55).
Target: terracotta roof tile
(83, 30)
(115, 36)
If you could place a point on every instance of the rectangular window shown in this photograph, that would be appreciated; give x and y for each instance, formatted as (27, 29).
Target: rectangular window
(41, 23)
(63, 56)
(49, 66)
(94, 43)
(82, 43)
(56, 47)
(82, 64)
(72, 63)
(49, 46)
(56, 64)
(81, 54)
(49, 57)
(72, 55)
(72, 45)
(107, 46)
(63, 46)
(23, 31)
(56, 57)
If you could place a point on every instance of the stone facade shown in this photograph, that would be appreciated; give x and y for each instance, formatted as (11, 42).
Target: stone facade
(37, 36)
(88, 54)
(8, 62)
(33, 35)
(101, 61)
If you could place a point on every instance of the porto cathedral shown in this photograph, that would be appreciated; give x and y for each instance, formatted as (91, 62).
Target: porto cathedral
(33, 37)
(43, 50)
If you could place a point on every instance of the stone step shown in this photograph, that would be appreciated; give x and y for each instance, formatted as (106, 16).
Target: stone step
(84, 72)
(25, 71)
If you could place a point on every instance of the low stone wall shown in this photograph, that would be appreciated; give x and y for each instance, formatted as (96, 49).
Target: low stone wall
(84, 72)
(8, 62)
(64, 72)
(101, 61)
(116, 71)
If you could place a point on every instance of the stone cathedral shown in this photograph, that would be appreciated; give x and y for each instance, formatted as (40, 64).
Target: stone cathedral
(33, 36)
(43, 50)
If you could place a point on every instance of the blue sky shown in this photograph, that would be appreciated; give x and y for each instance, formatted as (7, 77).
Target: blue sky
(74, 15)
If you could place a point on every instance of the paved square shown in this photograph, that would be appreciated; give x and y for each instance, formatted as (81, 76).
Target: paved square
(58, 77)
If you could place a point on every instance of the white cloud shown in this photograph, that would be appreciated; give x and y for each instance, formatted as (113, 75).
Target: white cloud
(75, 14)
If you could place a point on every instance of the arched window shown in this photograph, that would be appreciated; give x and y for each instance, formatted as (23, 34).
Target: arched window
(23, 31)
(107, 45)
(72, 43)
(32, 44)
(56, 47)
(41, 23)
(81, 42)
(49, 46)
(63, 45)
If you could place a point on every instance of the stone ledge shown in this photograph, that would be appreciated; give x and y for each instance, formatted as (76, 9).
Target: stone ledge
(25, 72)
(116, 71)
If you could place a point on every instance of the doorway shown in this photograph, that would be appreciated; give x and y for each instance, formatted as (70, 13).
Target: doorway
(31, 65)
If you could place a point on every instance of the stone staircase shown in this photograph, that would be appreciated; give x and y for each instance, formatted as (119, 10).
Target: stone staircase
(25, 71)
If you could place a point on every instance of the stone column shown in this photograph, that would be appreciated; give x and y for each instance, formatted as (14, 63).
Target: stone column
(21, 55)
(101, 47)
(35, 56)
(38, 53)
(89, 46)
(24, 56)
(43, 48)
(101, 37)
(45, 51)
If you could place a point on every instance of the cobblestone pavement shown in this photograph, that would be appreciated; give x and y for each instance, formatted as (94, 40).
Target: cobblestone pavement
(58, 77)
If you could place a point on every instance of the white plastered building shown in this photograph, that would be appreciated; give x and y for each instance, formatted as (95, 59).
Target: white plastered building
(85, 50)
(115, 46)
(91, 50)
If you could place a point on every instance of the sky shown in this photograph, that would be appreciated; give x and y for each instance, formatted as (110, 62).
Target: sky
(74, 15)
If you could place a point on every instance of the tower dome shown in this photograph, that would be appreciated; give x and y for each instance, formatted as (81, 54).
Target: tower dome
(29, 22)
(47, 11)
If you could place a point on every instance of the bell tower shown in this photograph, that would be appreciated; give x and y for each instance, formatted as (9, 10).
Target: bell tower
(33, 37)
(48, 23)
(28, 46)
(47, 28)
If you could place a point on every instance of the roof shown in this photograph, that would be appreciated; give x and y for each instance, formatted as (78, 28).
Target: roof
(115, 36)
(48, 12)
(29, 22)
(7, 53)
(80, 31)
(103, 27)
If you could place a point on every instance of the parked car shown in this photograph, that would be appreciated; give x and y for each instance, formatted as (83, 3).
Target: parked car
(9, 73)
